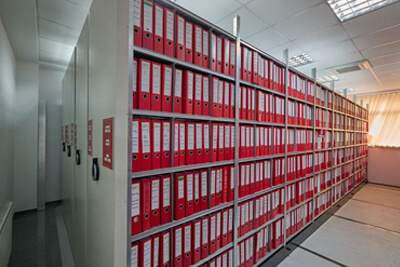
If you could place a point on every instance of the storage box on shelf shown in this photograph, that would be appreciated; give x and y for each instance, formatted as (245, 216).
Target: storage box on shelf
(291, 156)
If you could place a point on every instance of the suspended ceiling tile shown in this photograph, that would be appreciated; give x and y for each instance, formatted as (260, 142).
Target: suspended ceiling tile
(306, 23)
(373, 21)
(58, 32)
(382, 37)
(220, 9)
(249, 22)
(387, 49)
(55, 47)
(83, 3)
(385, 60)
(330, 35)
(62, 12)
(53, 58)
(277, 52)
(341, 59)
(266, 39)
(386, 68)
(333, 50)
(307, 69)
(274, 11)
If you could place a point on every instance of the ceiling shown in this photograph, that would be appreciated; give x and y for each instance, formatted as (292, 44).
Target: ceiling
(310, 26)
(59, 25)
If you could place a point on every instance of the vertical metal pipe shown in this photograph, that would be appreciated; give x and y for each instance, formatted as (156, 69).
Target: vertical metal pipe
(286, 60)
(41, 180)
(314, 76)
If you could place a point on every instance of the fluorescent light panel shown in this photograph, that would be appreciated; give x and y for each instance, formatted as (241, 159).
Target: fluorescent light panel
(348, 9)
(300, 60)
(326, 79)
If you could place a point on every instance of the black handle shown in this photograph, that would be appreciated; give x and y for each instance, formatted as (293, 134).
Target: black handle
(63, 147)
(95, 170)
(78, 157)
(69, 151)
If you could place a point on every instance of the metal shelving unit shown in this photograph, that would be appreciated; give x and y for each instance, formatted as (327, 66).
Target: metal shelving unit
(171, 116)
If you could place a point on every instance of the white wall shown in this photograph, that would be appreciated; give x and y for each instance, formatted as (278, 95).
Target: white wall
(383, 166)
(26, 136)
(50, 86)
(7, 95)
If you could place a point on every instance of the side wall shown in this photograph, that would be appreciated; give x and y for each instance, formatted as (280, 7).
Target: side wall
(383, 166)
(7, 96)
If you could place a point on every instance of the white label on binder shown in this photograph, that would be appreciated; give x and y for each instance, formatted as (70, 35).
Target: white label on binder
(190, 85)
(166, 245)
(190, 136)
(156, 79)
(166, 136)
(156, 249)
(205, 89)
(230, 219)
(215, 90)
(170, 25)
(198, 39)
(219, 49)
(137, 12)
(167, 81)
(135, 137)
(189, 35)
(227, 136)
(166, 192)
(181, 30)
(181, 185)
(157, 137)
(182, 136)
(225, 222)
(227, 91)
(134, 85)
(205, 231)
(134, 256)
(233, 53)
(146, 137)
(220, 92)
(212, 226)
(205, 43)
(148, 16)
(212, 186)
(135, 199)
(159, 24)
(188, 233)
(178, 83)
(199, 81)
(199, 134)
(233, 136)
(155, 194)
(197, 229)
(178, 242)
(218, 224)
(145, 85)
(206, 137)
(147, 254)
(196, 186)
(189, 181)
(221, 136)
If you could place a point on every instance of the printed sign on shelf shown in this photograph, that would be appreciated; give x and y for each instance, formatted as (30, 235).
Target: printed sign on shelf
(108, 143)
(90, 147)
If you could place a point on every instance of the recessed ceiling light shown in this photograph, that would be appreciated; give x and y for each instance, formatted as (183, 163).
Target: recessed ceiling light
(326, 79)
(348, 9)
(300, 60)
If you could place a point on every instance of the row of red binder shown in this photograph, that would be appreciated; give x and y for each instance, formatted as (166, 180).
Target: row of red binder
(277, 234)
(254, 177)
(258, 70)
(339, 138)
(159, 29)
(322, 160)
(303, 140)
(322, 181)
(323, 97)
(299, 166)
(323, 118)
(297, 218)
(298, 192)
(323, 139)
(224, 259)
(338, 156)
(203, 237)
(299, 114)
(300, 88)
(260, 141)
(222, 98)
(322, 202)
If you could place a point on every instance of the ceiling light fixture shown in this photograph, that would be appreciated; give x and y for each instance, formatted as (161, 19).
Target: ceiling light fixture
(326, 79)
(348, 9)
(349, 90)
(300, 60)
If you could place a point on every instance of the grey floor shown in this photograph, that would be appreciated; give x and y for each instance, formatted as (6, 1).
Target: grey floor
(35, 239)
(364, 232)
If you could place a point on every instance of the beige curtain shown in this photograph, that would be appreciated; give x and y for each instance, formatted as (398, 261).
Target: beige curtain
(384, 120)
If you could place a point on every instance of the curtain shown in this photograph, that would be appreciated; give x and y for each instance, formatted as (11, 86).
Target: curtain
(384, 119)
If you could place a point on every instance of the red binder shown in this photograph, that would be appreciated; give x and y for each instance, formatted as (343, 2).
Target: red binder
(213, 52)
(206, 142)
(214, 100)
(198, 85)
(219, 54)
(203, 190)
(136, 146)
(226, 59)
(218, 231)
(199, 155)
(187, 244)
(227, 153)
(178, 91)
(204, 237)
(232, 69)
(190, 143)
(169, 18)
(165, 243)
(220, 98)
(221, 142)
(196, 244)
(188, 87)
(232, 149)
(249, 65)
(188, 42)
(180, 38)
(198, 45)
(196, 192)
(146, 255)
(176, 144)
(135, 85)
(244, 103)
(155, 202)
(156, 144)
(166, 102)
(243, 72)
(212, 234)
(232, 104)
(145, 143)
(213, 187)
(158, 28)
(224, 236)
(206, 52)
(182, 143)
(165, 199)
(255, 67)
(146, 205)
(148, 24)
(144, 101)
(189, 197)
(166, 144)
(206, 96)
(227, 98)
(178, 246)
(136, 208)
(137, 22)
(179, 196)
(214, 142)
